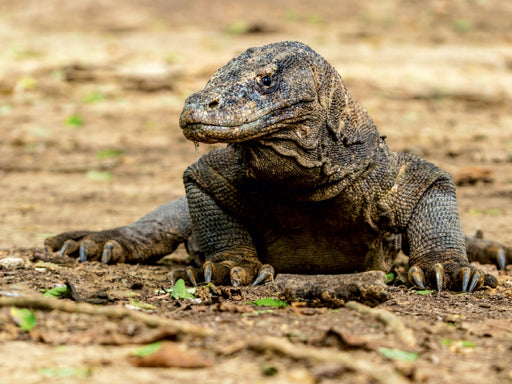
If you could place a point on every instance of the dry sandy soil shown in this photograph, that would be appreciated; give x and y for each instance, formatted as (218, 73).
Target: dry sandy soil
(90, 94)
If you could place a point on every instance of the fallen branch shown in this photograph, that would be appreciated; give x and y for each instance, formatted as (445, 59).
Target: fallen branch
(333, 290)
(379, 373)
(392, 321)
(165, 326)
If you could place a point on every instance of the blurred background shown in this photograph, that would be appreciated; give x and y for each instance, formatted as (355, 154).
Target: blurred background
(91, 91)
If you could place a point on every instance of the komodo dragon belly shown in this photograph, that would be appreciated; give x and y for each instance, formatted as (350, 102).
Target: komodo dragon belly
(317, 238)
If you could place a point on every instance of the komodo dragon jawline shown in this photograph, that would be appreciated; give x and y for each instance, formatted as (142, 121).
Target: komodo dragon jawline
(305, 185)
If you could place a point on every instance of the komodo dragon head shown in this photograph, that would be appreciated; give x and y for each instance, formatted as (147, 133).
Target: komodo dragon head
(287, 98)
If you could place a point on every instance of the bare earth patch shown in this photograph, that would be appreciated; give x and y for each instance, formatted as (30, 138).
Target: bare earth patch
(90, 95)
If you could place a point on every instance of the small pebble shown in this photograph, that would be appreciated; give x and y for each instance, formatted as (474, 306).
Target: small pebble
(10, 263)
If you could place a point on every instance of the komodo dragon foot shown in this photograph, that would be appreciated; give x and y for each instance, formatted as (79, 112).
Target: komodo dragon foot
(447, 271)
(117, 245)
(234, 271)
(488, 251)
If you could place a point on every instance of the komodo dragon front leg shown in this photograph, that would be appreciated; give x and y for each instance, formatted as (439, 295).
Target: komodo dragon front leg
(437, 252)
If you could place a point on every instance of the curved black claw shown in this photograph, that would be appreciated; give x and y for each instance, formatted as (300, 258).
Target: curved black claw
(208, 269)
(64, 249)
(107, 253)
(465, 274)
(236, 276)
(416, 277)
(191, 275)
(439, 275)
(265, 274)
(501, 259)
(477, 280)
(69, 247)
(83, 253)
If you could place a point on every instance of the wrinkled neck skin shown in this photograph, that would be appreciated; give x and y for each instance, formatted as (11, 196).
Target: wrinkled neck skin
(313, 161)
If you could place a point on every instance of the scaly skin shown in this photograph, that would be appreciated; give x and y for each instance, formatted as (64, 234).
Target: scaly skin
(305, 185)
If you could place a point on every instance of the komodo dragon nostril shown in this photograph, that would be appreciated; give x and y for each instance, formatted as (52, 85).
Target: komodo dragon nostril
(213, 104)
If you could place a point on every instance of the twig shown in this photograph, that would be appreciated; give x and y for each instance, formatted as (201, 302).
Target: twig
(167, 326)
(379, 373)
(394, 323)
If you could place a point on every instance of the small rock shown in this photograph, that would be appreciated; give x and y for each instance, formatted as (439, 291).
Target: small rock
(11, 262)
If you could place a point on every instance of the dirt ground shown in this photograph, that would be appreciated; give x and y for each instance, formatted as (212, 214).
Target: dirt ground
(90, 95)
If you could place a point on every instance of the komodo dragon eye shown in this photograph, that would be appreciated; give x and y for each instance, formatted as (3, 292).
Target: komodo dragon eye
(268, 83)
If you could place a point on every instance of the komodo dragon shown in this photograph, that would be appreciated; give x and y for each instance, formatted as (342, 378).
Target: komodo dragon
(305, 185)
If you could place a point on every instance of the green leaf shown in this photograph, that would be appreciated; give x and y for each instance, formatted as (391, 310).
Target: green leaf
(74, 121)
(256, 313)
(269, 370)
(45, 235)
(80, 372)
(397, 354)
(390, 277)
(180, 291)
(269, 302)
(425, 292)
(26, 83)
(141, 304)
(291, 15)
(461, 343)
(94, 97)
(99, 176)
(5, 109)
(489, 212)
(108, 153)
(147, 349)
(462, 25)
(57, 292)
(24, 318)
(238, 28)
(314, 18)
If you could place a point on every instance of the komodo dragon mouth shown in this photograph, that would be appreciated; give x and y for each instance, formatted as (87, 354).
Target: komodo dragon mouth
(274, 121)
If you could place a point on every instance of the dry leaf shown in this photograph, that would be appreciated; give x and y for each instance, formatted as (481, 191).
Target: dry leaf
(171, 355)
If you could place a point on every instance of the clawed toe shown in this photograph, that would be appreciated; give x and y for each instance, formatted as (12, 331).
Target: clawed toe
(467, 279)
(69, 247)
(107, 253)
(439, 276)
(225, 272)
(488, 251)
(265, 274)
(417, 277)
(208, 270)
(476, 277)
(465, 274)
(477, 281)
(88, 251)
(83, 253)
(501, 259)
(191, 273)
